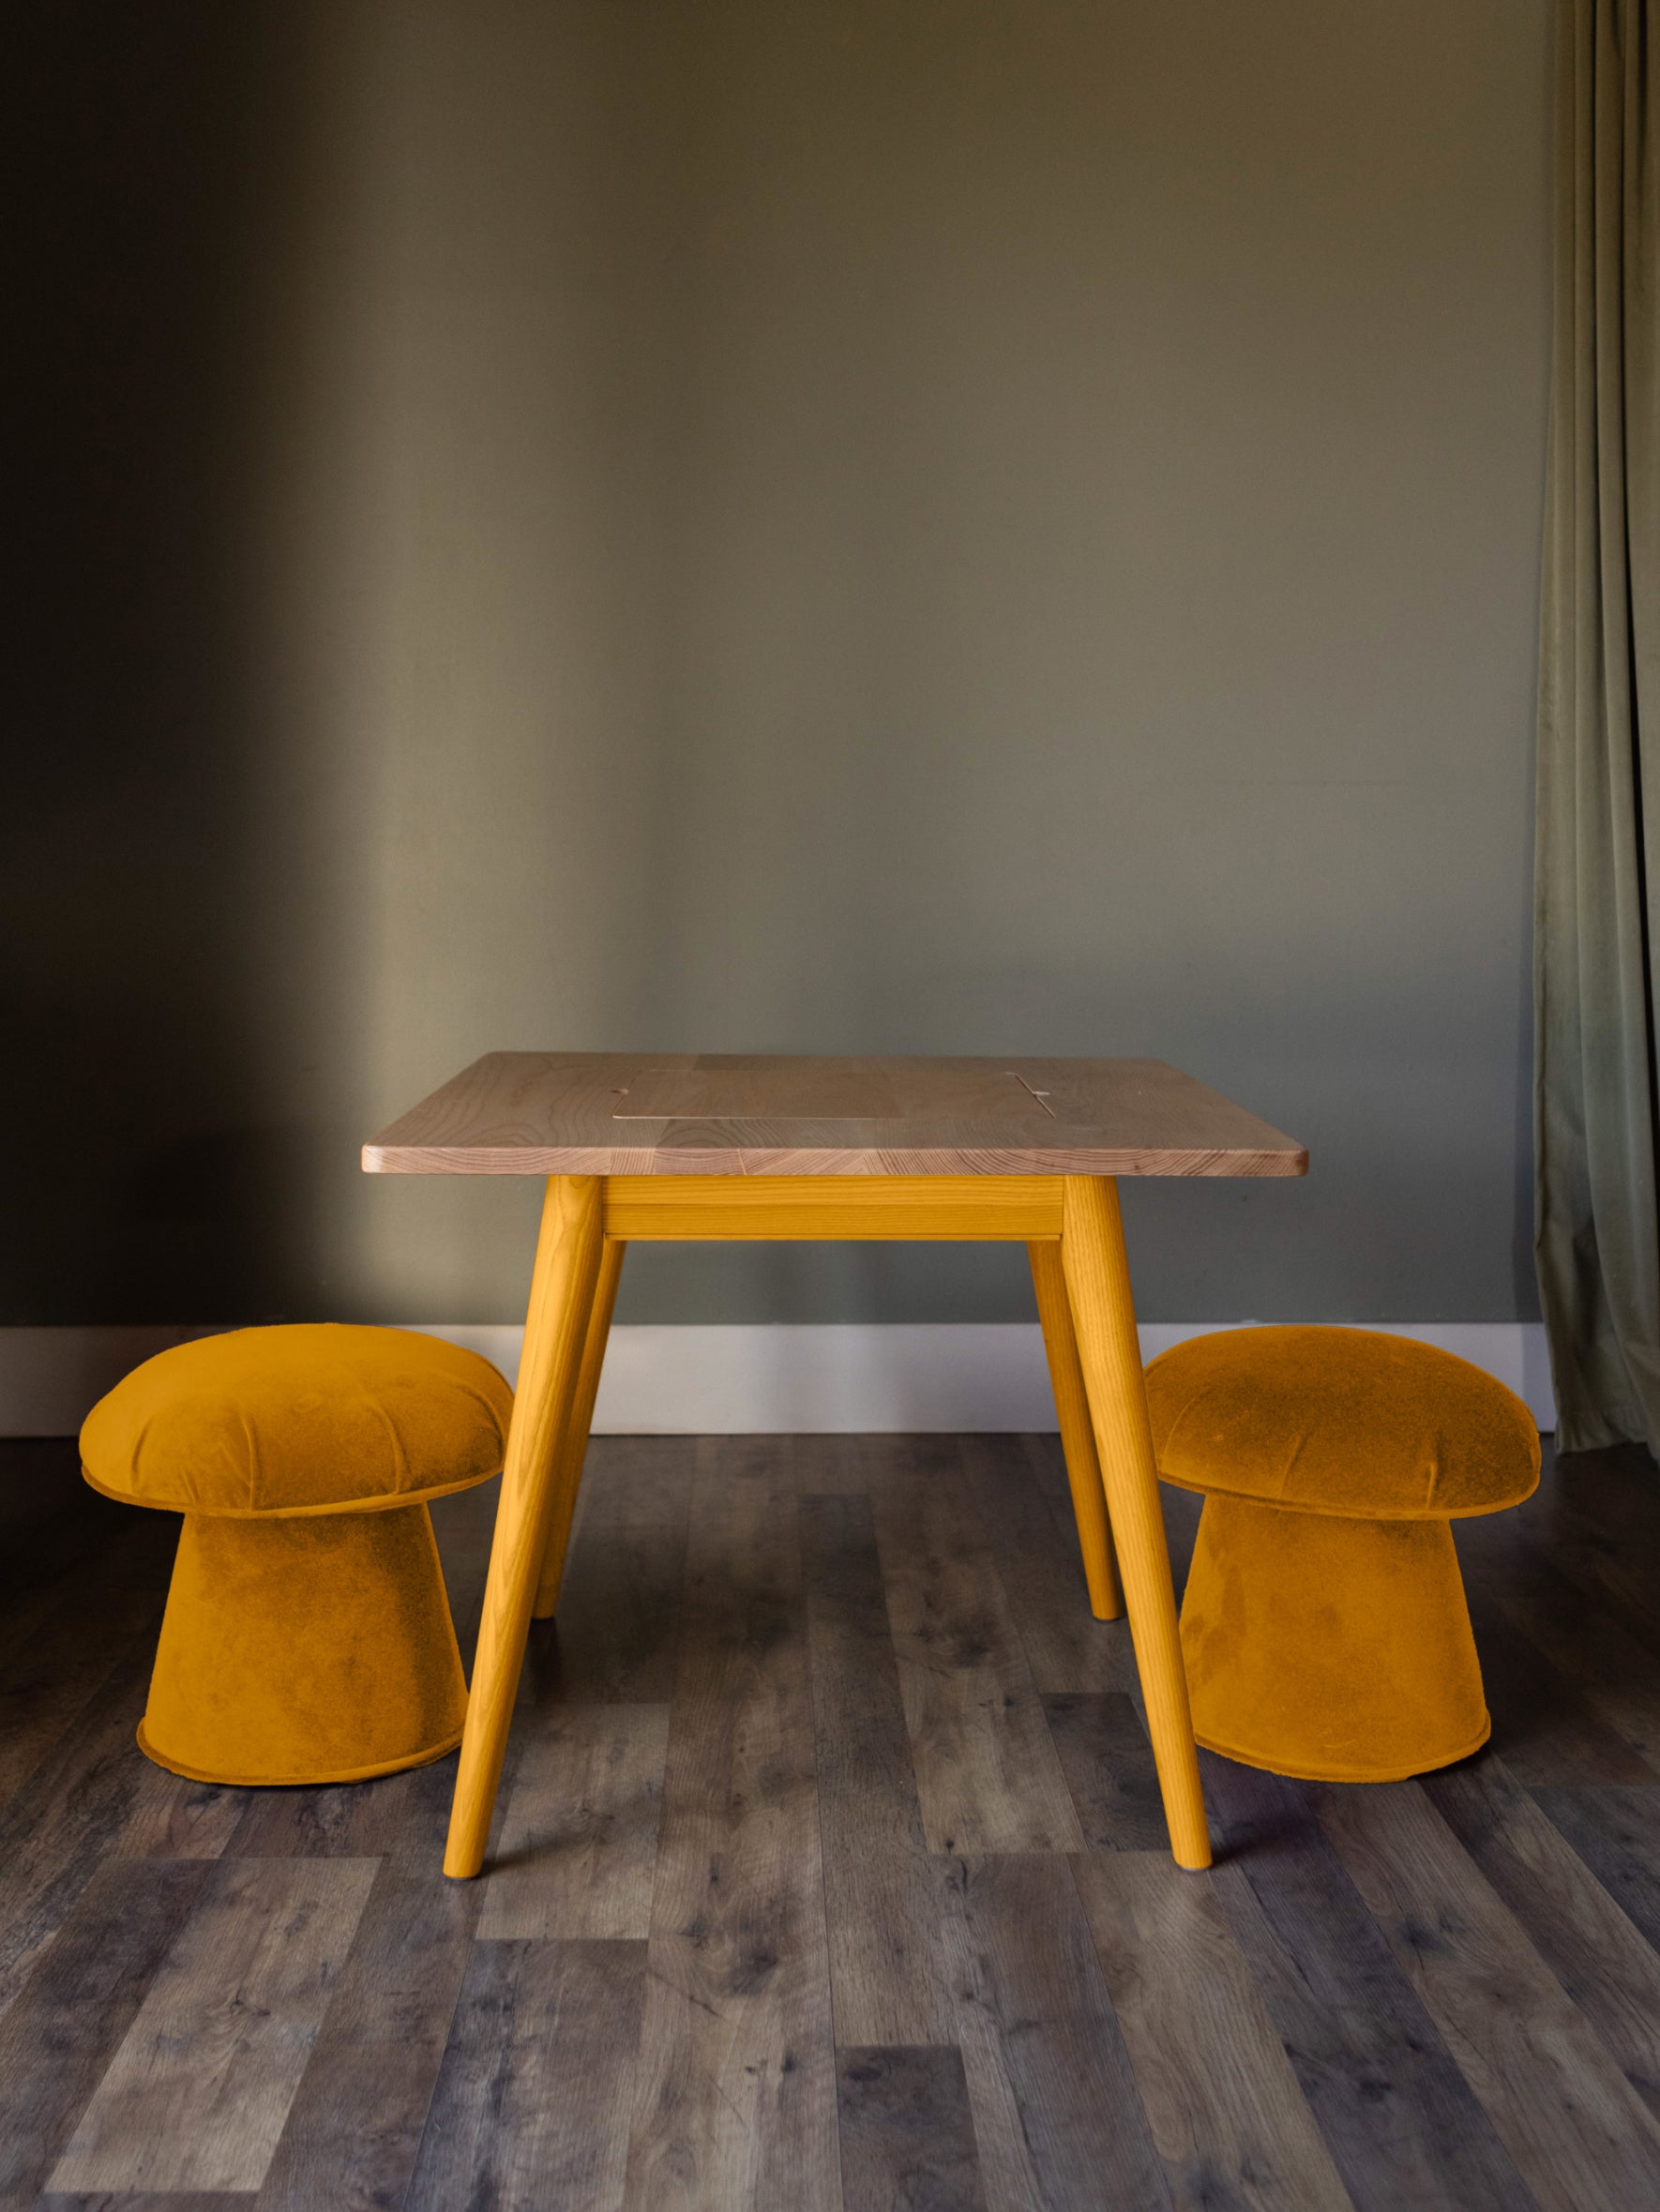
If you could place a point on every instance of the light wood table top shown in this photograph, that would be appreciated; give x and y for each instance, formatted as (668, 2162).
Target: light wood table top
(641, 1146)
(631, 1114)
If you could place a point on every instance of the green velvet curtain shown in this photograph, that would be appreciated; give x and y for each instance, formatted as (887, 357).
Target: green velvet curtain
(1598, 854)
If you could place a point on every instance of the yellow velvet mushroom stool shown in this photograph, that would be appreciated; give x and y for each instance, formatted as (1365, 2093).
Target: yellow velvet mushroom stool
(1324, 1626)
(306, 1636)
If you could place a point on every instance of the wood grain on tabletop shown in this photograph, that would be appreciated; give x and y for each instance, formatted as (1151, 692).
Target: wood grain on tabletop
(550, 1113)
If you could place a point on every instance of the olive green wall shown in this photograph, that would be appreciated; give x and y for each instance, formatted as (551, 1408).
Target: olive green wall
(970, 525)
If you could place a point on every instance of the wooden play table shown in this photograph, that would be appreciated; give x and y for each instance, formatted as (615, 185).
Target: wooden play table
(694, 1147)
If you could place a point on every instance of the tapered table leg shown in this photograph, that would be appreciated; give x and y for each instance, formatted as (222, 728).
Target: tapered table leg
(1077, 1438)
(555, 1328)
(1104, 1318)
(573, 1448)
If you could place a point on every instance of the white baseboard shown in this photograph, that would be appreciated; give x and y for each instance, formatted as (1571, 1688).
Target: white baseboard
(755, 1380)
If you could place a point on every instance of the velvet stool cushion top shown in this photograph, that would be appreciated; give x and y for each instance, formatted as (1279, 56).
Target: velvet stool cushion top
(306, 1636)
(1324, 1627)
(313, 1418)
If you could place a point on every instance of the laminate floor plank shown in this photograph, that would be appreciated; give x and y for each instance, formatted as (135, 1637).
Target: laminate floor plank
(59, 2036)
(144, 2200)
(532, 2099)
(1589, 1944)
(1224, 2104)
(1544, 1728)
(54, 1673)
(1615, 1672)
(1616, 1833)
(68, 1815)
(26, 1608)
(1402, 2123)
(198, 2091)
(867, 1650)
(463, 1527)
(737, 2090)
(615, 1640)
(392, 1813)
(1580, 2137)
(358, 2112)
(172, 1817)
(578, 1843)
(356, 2123)
(907, 2135)
(1038, 1564)
(881, 1894)
(1058, 2118)
(1611, 1491)
(988, 1776)
(836, 1466)
(1593, 1521)
(53, 1524)
(1109, 1766)
(1047, 1462)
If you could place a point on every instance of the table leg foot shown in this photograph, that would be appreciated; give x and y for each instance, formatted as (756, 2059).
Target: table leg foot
(1104, 1319)
(555, 1330)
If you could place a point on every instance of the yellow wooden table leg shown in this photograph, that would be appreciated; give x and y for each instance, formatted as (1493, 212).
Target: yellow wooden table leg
(1104, 1319)
(573, 1450)
(1078, 1440)
(555, 1328)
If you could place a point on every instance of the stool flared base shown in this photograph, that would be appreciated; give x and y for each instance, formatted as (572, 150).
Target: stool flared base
(1330, 1650)
(305, 1652)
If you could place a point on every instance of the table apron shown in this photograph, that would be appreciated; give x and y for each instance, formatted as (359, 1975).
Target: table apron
(907, 1209)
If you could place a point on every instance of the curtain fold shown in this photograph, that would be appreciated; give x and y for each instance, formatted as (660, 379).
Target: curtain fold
(1597, 880)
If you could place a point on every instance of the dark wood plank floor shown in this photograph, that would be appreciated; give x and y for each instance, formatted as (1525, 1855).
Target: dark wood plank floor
(829, 1874)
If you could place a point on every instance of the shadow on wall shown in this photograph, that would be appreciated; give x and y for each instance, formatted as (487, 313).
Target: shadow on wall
(849, 527)
(145, 139)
